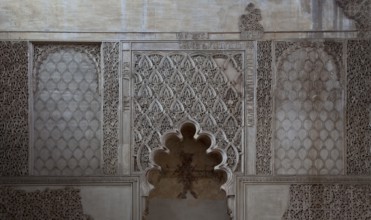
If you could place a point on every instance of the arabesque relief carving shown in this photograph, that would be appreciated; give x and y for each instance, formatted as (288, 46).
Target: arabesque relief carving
(14, 127)
(328, 201)
(358, 155)
(111, 62)
(173, 86)
(17, 204)
(264, 108)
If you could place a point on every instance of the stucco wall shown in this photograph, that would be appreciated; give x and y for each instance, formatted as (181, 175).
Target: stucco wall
(164, 16)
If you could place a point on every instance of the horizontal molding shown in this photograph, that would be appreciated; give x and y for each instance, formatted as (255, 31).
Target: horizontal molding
(304, 180)
(76, 181)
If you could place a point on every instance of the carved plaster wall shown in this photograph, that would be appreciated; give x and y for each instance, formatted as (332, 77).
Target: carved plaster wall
(111, 64)
(308, 111)
(172, 86)
(332, 201)
(264, 108)
(49, 204)
(358, 154)
(14, 126)
(359, 11)
(66, 110)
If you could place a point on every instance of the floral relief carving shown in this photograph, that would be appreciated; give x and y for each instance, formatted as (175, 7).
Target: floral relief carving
(328, 201)
(264, 108)
(358, 156)
(16, 204)
(111, 52)
(14, 134)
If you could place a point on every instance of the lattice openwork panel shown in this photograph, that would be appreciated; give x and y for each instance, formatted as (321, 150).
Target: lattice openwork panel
(171, 86)
(67, 109)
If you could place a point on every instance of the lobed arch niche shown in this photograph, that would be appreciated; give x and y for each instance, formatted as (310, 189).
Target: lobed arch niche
(188, 174)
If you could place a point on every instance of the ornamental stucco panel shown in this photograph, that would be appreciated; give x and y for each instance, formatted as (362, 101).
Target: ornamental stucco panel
(308, 114)
(172, 86)
(66, 110)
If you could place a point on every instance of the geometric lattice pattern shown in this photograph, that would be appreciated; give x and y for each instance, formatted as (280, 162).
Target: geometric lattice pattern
(169, 87)
(308, 135)
(67, 109)
(332, 201)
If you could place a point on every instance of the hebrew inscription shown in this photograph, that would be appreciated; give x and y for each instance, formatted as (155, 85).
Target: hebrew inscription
(171, 86)
(67, 109)
(13, 109)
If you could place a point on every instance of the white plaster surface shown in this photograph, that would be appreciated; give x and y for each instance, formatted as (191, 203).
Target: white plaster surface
(186, 209)
(166, 15)
(265, 202)
(107, 202)
(100, 202)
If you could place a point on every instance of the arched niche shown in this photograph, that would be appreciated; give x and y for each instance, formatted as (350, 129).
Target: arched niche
(308, 112)
(188, 175)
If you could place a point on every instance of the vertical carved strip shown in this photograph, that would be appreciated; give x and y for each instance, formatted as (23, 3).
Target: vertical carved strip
(111, 52)
(250, 84)
(358, 110)
(14, 109)
(48, 204)
(264, 109)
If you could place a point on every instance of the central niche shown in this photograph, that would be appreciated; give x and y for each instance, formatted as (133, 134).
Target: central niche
(186, 179)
